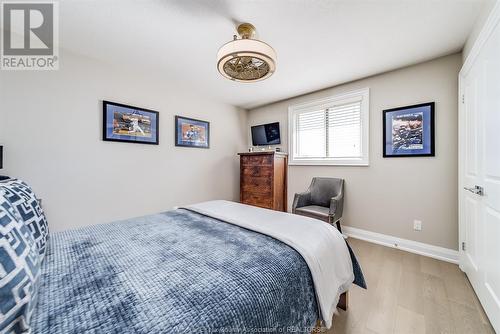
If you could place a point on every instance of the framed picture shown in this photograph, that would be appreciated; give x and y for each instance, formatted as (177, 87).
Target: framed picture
(191, 132)
(130, 124)
(409, 131)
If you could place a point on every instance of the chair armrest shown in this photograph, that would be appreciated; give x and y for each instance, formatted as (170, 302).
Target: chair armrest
(337, 206)
(300, 200)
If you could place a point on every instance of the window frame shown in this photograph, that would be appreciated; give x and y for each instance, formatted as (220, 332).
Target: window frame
(362, 95)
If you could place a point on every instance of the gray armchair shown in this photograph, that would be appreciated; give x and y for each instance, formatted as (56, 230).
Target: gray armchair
(323, 200)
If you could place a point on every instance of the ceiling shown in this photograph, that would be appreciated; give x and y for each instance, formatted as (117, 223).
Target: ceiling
(319, 43)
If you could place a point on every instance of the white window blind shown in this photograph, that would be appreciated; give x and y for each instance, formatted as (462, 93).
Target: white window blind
(311, 130)
(344, 131)
(334, 131)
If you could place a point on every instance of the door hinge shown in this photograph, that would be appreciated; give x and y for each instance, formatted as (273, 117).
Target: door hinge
(463, 245)
(463, 98)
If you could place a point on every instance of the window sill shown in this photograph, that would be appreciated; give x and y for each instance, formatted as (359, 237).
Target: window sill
(350, 162)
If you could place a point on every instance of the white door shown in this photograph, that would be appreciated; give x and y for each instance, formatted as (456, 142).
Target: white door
(471, 169)
(480, 171)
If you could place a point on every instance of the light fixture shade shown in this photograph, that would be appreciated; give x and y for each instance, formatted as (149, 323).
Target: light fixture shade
(246, 60)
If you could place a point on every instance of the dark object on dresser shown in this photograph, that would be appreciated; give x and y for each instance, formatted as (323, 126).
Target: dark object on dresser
(2, 178)
(263, 179)
(323, 200)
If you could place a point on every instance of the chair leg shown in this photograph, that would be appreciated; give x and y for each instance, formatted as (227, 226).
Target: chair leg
(339, 227)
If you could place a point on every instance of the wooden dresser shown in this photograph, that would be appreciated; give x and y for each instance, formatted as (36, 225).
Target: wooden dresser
(263, 179)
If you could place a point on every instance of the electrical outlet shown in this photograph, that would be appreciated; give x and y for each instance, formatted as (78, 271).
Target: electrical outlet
(417, 225)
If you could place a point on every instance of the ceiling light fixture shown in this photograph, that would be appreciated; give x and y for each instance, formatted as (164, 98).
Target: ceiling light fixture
(246, 59)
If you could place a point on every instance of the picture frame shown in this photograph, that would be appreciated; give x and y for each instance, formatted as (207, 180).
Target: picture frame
(130, 124)
(191, 132)
(409, 131)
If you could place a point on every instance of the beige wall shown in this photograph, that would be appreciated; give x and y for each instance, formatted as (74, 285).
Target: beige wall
(478, 26)
(389, 194)
(51, 130)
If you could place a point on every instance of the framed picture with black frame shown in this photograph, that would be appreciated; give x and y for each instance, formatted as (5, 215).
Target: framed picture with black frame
(409, 131)
(191, 132)
(125, 123)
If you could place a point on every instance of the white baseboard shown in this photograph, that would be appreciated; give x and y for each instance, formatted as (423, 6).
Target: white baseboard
(440, 253)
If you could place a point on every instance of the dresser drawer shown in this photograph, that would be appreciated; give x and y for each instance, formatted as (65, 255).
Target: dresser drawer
(262, 160)
(257, 171)
(263, 178)
(261, 200)
(261, 185)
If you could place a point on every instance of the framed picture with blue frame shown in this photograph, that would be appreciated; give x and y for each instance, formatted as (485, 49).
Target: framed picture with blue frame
(409, 131)
(190, 132)
(125, 123)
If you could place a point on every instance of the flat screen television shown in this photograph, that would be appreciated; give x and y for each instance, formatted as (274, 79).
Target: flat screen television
(266, 134)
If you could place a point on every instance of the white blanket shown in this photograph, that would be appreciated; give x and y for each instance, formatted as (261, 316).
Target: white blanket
(320, 244)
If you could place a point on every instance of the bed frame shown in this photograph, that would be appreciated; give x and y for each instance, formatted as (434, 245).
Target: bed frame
(343, 304)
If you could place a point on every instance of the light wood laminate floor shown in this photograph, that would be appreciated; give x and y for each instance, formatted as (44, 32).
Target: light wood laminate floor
(409, 293)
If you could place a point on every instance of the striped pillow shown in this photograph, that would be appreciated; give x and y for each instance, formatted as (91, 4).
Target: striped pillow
(19, 270)
(23, 199)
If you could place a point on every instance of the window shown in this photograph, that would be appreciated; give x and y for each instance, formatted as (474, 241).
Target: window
(331, 131)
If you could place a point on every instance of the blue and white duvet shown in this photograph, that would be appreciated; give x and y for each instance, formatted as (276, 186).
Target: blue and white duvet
(174, 272)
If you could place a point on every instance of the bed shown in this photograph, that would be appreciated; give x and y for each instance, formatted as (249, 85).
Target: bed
(190, 270)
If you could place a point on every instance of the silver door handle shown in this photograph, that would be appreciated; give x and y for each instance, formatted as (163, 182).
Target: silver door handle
(478, 190)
